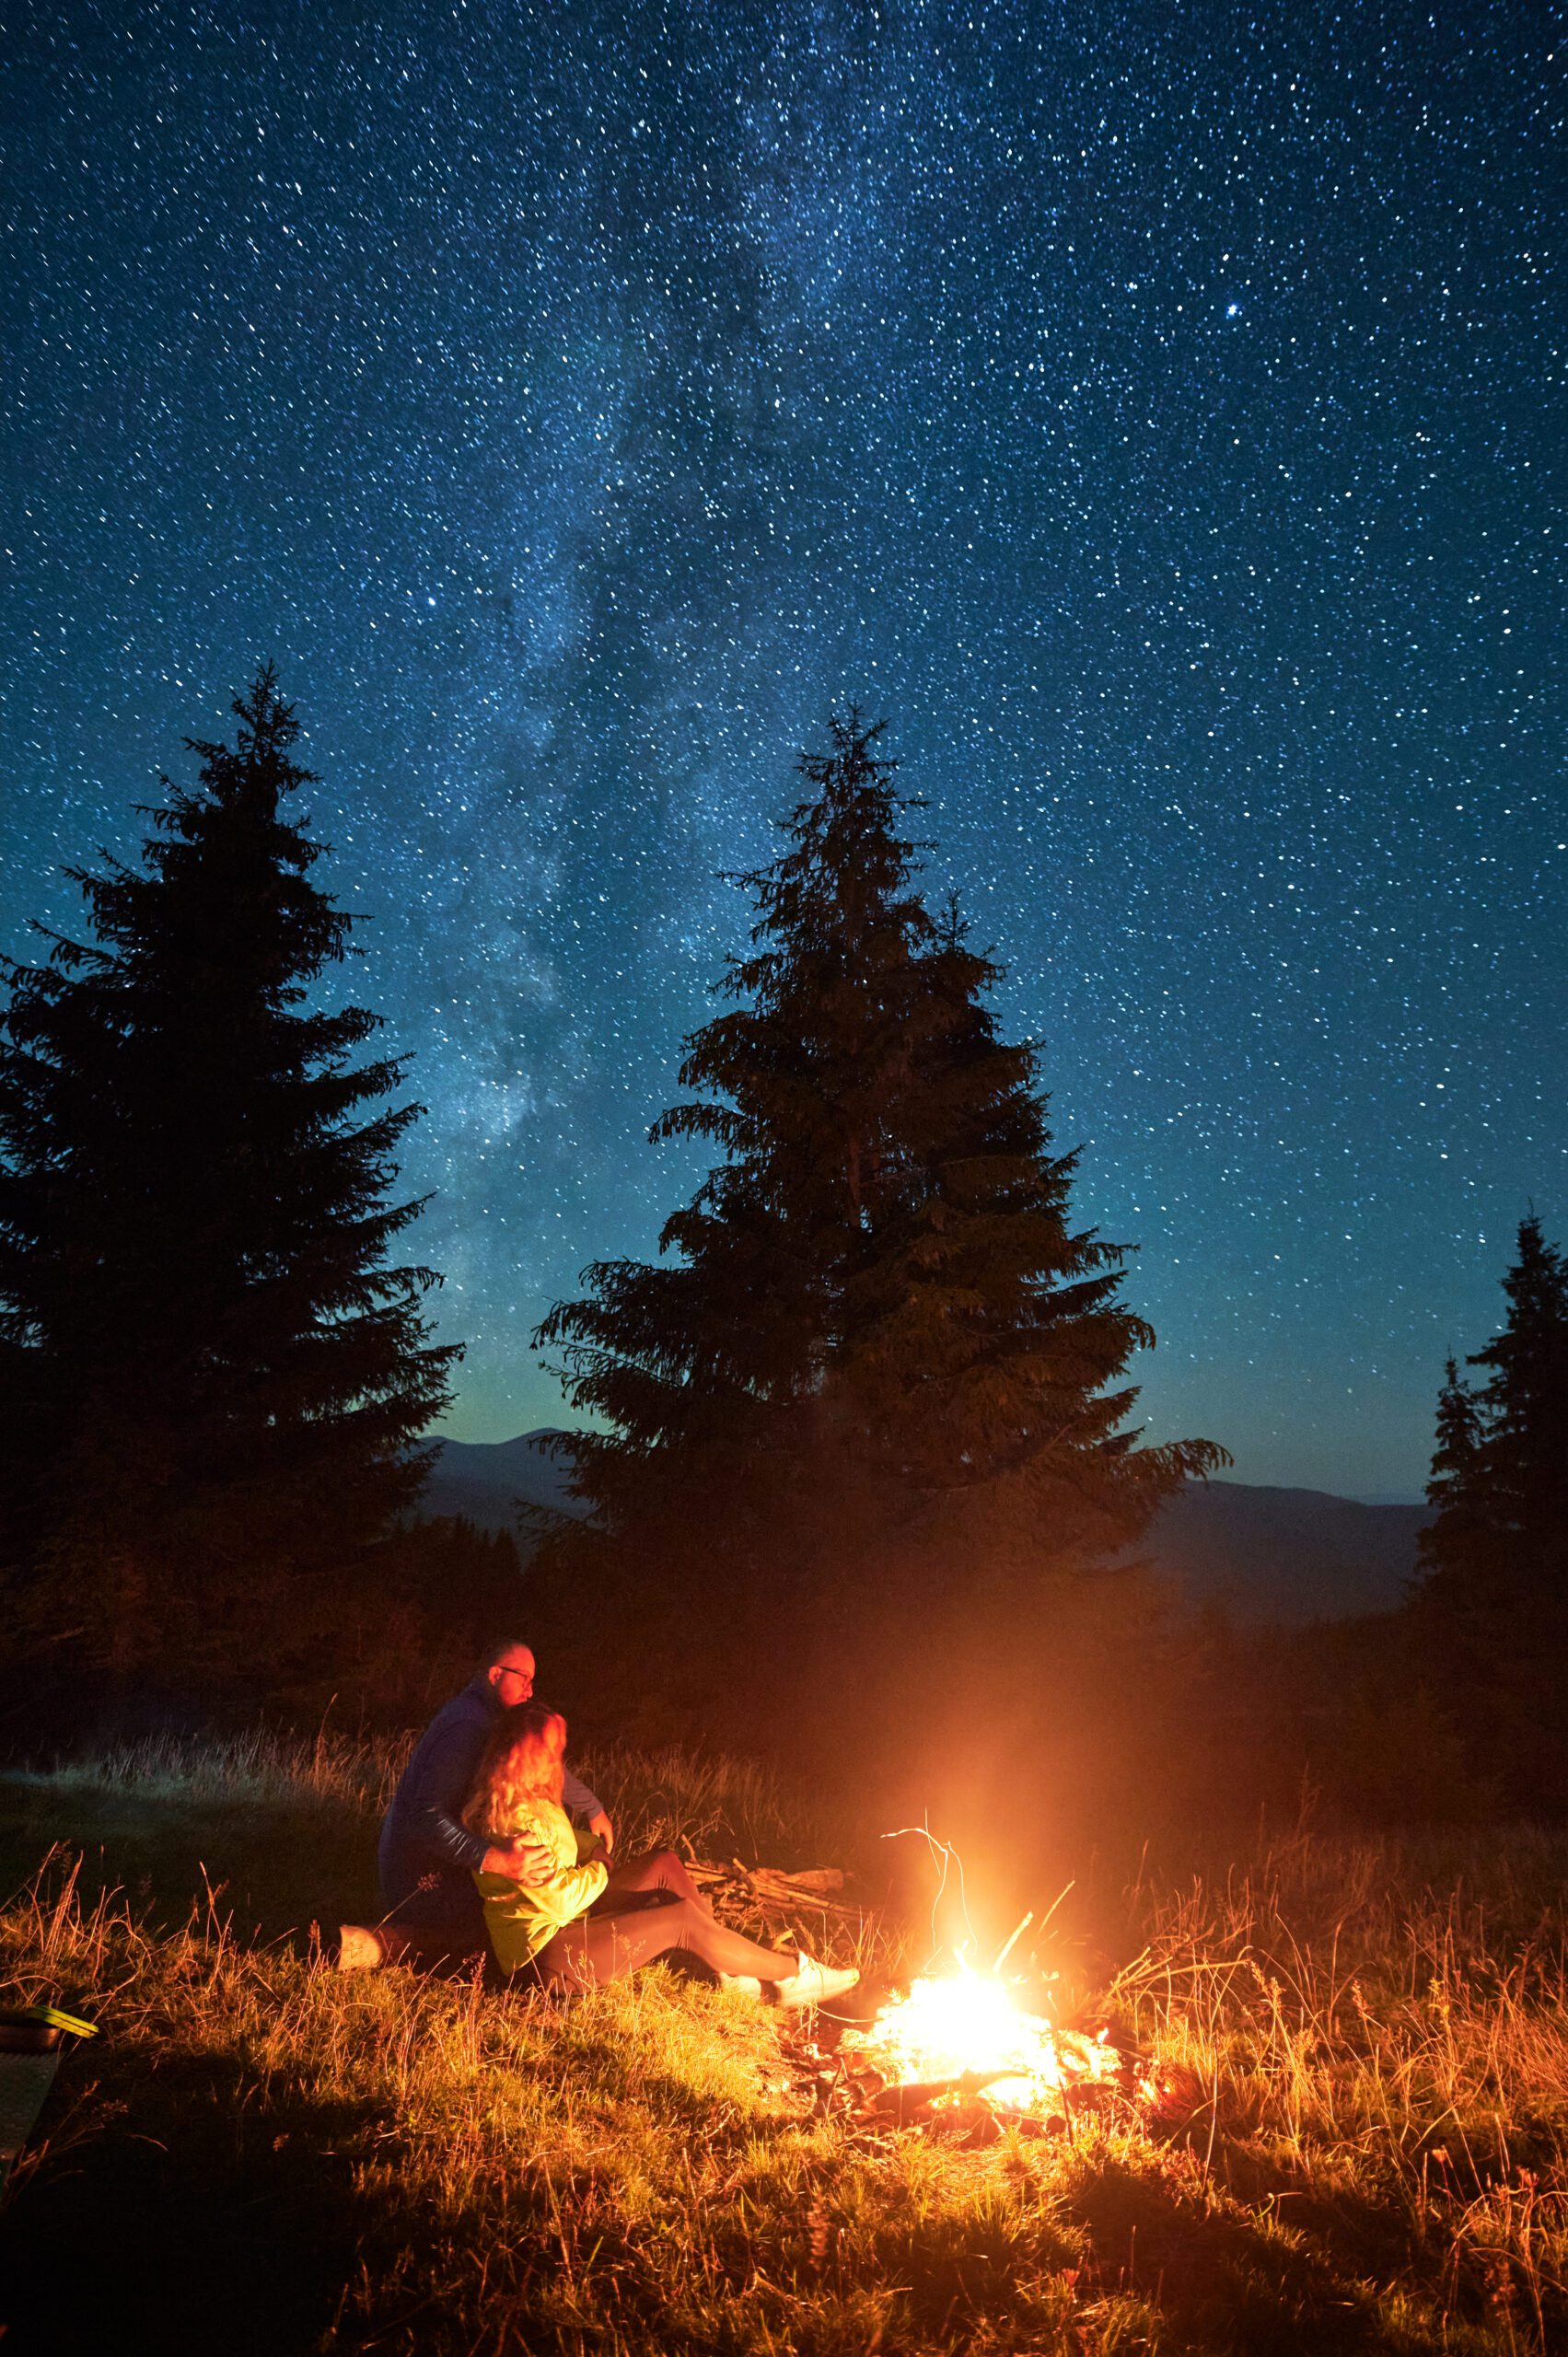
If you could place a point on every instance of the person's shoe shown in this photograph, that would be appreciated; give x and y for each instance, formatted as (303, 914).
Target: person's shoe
(813, 1984)
(359, 1948)
(746, 1983)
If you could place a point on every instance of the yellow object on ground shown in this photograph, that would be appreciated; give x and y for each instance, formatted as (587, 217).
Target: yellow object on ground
(29, 2056)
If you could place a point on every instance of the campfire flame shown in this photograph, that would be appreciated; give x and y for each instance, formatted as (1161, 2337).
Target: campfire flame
(969, 2027)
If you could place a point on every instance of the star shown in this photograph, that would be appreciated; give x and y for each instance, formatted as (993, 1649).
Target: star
(578, 404)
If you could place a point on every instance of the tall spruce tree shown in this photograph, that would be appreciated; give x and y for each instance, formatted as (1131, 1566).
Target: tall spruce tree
(222, 1373)
(1457, 1533)
(715, 1370)
(987, 1337)
(1496, 1555)
(877, 1341)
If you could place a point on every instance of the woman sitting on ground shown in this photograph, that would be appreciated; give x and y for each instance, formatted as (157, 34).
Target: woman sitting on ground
(652, 1905)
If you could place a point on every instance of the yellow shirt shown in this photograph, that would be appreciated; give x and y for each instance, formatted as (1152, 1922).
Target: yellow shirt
(521, 1917)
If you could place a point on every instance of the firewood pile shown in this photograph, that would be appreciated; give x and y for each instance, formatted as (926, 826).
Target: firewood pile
(767, 1903)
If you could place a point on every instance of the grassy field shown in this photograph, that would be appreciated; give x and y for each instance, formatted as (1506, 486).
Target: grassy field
(259, 2155)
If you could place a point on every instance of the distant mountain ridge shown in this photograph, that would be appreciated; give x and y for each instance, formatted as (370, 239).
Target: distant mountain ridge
(1264, 1554)
(1286, 1556)
(486, 1479)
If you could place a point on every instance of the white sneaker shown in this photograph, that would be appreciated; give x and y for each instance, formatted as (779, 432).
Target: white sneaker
(815, 1983)
(746, 1983)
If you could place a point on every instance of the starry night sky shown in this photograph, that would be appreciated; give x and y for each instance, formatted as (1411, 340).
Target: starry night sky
(1155, 409)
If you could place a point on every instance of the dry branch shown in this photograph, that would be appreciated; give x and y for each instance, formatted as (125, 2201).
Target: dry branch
(769, 1892)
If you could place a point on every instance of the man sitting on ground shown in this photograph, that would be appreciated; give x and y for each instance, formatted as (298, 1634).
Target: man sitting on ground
(427, 1857)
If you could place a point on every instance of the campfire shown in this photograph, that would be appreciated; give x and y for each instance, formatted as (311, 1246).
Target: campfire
(959, 2055)
(964, 2035)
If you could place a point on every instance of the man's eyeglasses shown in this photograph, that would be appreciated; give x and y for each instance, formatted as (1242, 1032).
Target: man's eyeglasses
(524, 1675)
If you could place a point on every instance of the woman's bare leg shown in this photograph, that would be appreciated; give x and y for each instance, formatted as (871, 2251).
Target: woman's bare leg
(657, 1871)
(598, 1949)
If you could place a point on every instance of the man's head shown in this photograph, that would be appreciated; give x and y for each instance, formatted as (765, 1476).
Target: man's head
(510, 1672)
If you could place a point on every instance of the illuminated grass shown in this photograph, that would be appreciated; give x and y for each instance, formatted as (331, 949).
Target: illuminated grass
(260, 2154)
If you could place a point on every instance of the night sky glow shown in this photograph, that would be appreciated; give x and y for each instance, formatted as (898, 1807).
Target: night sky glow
(1155, 409)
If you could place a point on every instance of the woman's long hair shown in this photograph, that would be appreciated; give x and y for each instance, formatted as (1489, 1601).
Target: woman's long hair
(521, 1761)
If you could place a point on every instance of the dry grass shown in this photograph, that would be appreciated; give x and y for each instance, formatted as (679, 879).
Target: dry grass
(1382, 2027)
(664, 1794)
(264, 2155)
(259, 1769)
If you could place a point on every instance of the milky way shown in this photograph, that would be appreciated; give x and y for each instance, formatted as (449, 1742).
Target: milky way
(1155, 412)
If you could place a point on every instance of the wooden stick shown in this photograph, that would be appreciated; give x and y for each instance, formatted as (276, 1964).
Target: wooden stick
(1010, 1945)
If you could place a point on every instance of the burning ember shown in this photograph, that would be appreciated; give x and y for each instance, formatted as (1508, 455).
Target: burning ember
(969, 2032)
(968, 2036)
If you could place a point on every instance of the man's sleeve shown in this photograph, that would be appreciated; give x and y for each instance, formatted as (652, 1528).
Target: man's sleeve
(433, 1811)
(576, 1799)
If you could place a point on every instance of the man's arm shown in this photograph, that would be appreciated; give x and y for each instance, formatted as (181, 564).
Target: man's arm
(432, 1817)
(445, 1775)
(577, 1801)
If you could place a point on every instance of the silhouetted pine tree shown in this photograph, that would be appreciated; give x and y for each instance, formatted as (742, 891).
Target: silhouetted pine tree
(1460, 1527)
(1495, 1595)
(714, 1370)
(222, 1375)
(987, 1339)
(878, 1337)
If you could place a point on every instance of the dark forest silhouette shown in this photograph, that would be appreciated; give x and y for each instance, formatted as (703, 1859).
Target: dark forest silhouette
(861, 1463)
(1493, 1607)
